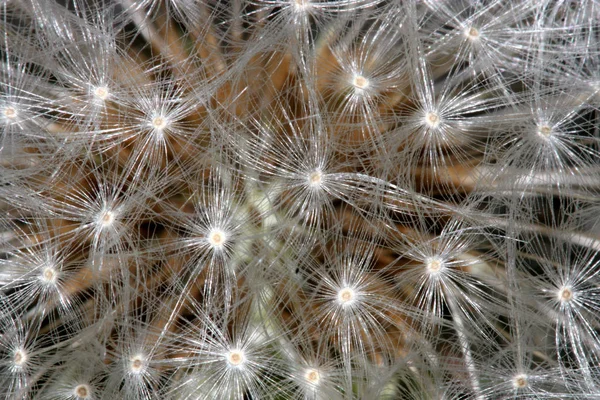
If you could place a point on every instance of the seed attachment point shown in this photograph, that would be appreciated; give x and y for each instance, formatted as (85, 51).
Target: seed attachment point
(136, 364)
(10, 113)
(159, 123)
(472, 33)
(236, 358)
(101, 93)
(82, 391)
(48, 275)
(315, 178)
(434, 265)
(216, 238)
(565, 294)
(20, 358)
(312, 376)
(544, 131)
(360, 82)
(520, 381)
(106, 219)
(346, 296)
(432, 120)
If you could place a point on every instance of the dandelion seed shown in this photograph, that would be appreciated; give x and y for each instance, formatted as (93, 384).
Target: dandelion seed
(565, 294)
(544, 131)
(346, 296)
(82, 391)
(49, 275)
(137, 364)
(236, 358)
(10, 113)
(432, 120)
(106, 219)
(101, 93)
(434, 265)
(315, 178)
(159, 123)
(217, 238)
(20, 358)
(360, 82)
(472, 33)
(312, 376)
(520, 381)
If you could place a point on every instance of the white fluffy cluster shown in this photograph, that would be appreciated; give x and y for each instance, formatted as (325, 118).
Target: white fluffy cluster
(299, 199)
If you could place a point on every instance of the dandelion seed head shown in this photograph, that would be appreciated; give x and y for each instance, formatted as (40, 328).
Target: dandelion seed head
(353, 258)
(236, 358)
(520, 381)
(82, 391)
